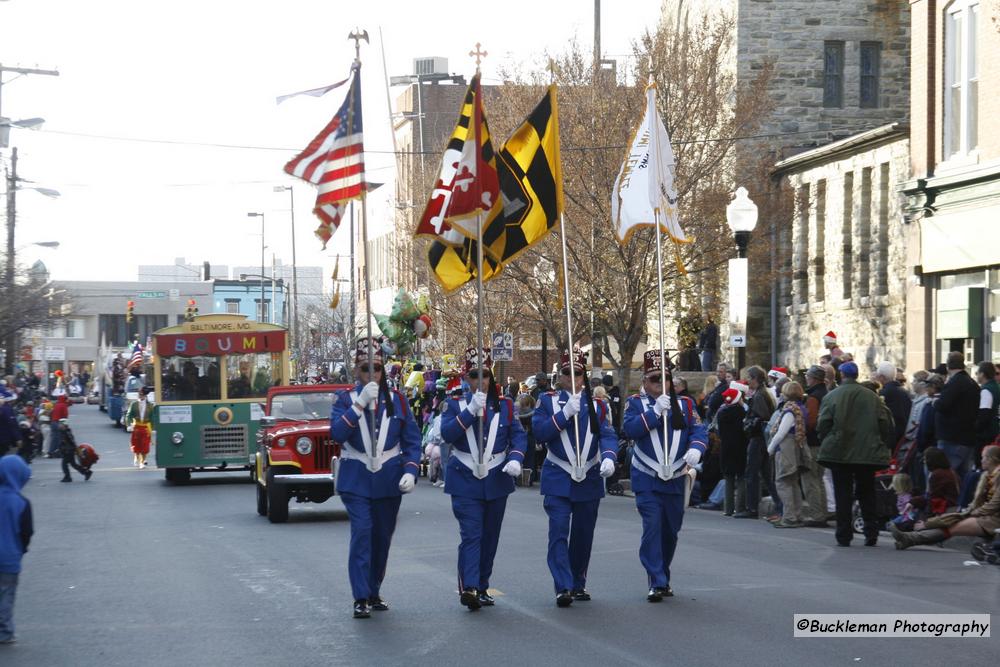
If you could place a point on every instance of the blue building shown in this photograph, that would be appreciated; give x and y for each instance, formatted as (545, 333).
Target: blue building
(244, 297)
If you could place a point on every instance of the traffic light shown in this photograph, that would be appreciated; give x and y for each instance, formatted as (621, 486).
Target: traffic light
(129, 312)
(192, 310)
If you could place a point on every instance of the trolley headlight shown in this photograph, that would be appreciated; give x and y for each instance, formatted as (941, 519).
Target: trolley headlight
(177, 437)
(282, 442)
(303, 446)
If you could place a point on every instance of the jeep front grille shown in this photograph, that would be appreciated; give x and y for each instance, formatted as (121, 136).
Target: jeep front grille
(323, 453)
(224, 442)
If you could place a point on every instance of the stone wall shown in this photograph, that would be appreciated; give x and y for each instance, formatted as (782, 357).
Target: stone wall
(849, 202)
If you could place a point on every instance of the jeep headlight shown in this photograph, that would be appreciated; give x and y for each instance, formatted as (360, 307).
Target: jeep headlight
(303, 446)
(177, 437)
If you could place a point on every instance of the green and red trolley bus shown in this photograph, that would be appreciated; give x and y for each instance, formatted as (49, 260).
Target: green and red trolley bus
(211, 379)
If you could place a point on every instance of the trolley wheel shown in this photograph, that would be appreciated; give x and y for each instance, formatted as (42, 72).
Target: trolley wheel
(178, 475)
(261, 499)
(277, 500)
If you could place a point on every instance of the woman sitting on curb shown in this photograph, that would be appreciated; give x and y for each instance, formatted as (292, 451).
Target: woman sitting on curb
(981, 520)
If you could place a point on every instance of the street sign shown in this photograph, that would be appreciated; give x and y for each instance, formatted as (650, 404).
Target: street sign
(503, 346)
(738, 340)
(175, 295)
(151, 295)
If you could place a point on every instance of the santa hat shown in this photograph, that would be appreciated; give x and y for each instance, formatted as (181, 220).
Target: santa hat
(472, 361)
(739, 386)
(730, 396)
(777, 372)
(579, 360)
(830, 338)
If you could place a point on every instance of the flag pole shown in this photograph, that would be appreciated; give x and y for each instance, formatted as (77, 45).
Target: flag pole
(357, 36)
(578, 464)
(476, 121)
(655, 165)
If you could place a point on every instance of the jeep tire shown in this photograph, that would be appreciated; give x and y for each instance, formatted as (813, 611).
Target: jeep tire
(261, 499)
(277, 500)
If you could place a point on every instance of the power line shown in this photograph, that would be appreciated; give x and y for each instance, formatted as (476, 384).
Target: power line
(199, 144)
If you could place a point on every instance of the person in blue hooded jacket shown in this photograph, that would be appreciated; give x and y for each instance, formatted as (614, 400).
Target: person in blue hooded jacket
(16, 528)
(373, 472)
(669, 437)
(480, 479)
(582, 449)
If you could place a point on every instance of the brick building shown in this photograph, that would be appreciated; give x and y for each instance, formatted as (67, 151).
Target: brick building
(953, 195)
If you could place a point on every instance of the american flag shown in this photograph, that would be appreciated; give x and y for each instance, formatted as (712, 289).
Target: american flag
(335, 161)
(136, 358)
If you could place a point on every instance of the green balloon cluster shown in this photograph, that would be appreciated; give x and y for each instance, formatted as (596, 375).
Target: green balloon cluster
(407, 322)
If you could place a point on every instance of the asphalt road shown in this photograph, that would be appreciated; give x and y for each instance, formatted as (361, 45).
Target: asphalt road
(126, 570)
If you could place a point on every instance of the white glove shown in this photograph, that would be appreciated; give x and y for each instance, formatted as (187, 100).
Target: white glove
(407, 482)
(477, 403)
(662, 405)
(368, 394)
(607, 468)
(572, 406)
(512, 468)
(692, 457)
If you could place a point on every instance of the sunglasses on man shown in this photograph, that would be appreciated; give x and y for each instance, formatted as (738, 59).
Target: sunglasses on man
(565, 371)
(474, 375)
(655, 379)
(364, 368)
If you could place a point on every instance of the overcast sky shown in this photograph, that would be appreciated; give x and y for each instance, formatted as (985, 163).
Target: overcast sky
(208, 72)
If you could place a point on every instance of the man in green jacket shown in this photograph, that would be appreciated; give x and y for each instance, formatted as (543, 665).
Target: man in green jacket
(853, 429)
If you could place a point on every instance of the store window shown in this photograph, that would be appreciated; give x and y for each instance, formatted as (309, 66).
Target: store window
(993, 315)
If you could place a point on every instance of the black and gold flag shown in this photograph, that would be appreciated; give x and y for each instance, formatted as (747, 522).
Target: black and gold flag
(454, 266)
(530, 178)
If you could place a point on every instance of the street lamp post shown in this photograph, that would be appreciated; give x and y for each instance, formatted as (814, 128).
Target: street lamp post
(260, 317)
(295, 270)
(741, 214)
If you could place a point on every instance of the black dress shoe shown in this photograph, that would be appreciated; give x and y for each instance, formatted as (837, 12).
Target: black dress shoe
(745, 515)
(654, 595)
(87, 475)
(668, 592)
(378, 604)
(843, 544)
(485, 599)
(469, 598)
(581, 595)
(564, 599)
(361, 609)
(871, 541)
(66, 479)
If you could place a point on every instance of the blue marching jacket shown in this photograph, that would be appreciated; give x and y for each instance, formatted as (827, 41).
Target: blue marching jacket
(550, 426)
(398, 435)
(643, 426)
(509, 443)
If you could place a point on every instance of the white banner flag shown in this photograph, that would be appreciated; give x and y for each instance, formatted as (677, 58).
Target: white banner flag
(645, 182)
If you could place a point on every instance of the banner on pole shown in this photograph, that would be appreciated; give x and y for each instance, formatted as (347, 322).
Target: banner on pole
(738, 293)
(503, 346)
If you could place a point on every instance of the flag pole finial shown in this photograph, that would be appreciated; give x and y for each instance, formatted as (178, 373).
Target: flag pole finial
(478, 54)
(357, 36)
(552, 70)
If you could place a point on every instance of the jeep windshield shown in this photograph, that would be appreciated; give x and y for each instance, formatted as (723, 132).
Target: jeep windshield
(303, 406)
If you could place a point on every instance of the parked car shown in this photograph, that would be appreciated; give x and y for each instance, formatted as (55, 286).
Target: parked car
(295, 451)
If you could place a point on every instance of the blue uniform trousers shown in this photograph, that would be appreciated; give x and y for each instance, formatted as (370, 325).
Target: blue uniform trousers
(662, 514)
(479, 527)
(373, 520)
(571, 536)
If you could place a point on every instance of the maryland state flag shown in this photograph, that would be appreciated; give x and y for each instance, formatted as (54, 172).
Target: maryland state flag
(531, 188)
(467, 184)
(453, 266)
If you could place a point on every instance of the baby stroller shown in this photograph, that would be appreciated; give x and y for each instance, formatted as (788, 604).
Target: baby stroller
(885, 496)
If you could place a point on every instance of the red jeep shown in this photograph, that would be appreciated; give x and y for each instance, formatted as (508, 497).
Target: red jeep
(294, 448)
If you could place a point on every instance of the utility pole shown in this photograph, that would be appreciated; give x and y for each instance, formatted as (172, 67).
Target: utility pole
(8, 273)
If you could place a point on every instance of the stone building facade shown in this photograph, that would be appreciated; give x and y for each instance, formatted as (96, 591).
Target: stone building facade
(845, 251)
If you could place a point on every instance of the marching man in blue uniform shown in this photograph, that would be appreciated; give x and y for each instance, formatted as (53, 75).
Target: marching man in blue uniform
(582, 448)
(669, 437)
(480, 473)
(380, 461)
